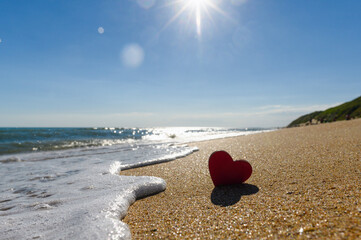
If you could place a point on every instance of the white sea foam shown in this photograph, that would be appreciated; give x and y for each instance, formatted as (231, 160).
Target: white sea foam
(76, 196)
(165, 158)
(195, 134)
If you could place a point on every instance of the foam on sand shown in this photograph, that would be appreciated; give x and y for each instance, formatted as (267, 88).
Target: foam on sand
(53, 202)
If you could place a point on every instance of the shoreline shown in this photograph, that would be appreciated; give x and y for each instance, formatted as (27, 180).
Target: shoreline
(305, 183)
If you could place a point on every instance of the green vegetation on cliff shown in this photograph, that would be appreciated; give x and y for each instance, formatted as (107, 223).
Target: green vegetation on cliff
(346, 111)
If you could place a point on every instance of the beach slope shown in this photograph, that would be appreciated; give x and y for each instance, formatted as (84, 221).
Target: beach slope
(305, 183)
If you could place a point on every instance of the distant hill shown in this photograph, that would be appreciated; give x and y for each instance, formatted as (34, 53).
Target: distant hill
(346, 111)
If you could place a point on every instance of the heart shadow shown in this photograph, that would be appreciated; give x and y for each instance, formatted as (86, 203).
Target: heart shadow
(229, 195)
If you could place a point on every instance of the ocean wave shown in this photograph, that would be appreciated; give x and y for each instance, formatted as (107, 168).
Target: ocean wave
(20, 140)
(23, 140)
(11, 160)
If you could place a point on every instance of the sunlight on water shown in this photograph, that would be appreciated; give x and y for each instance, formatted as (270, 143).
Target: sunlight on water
(21, 140)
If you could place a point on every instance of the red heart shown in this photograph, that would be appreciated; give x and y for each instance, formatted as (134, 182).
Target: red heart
(225, 171)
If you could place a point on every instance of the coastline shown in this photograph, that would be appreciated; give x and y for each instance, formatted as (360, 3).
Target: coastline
(82, 185)
(305, 183)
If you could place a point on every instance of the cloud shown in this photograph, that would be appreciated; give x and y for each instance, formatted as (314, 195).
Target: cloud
(265, 116)
(274, 109)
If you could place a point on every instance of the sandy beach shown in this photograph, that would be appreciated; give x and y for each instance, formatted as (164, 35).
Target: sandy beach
(305, 184)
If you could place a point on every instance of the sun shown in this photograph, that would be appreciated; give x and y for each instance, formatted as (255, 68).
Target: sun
(197, 9)
(198, 6)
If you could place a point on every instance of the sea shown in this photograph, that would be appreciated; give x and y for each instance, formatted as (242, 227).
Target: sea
(66, 183)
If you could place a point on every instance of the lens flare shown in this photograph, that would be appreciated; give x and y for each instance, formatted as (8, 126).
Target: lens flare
(100, 30)
(132, 55)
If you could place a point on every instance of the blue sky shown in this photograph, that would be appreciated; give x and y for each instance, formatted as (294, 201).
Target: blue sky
(127, 63)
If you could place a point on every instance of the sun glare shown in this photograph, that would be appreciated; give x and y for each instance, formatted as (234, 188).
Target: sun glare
(196, 9)
(196, 4)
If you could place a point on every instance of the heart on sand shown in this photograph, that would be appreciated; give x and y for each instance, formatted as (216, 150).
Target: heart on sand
(225, 171)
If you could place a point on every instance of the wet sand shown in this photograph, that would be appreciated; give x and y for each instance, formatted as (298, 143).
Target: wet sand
(306, 183)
